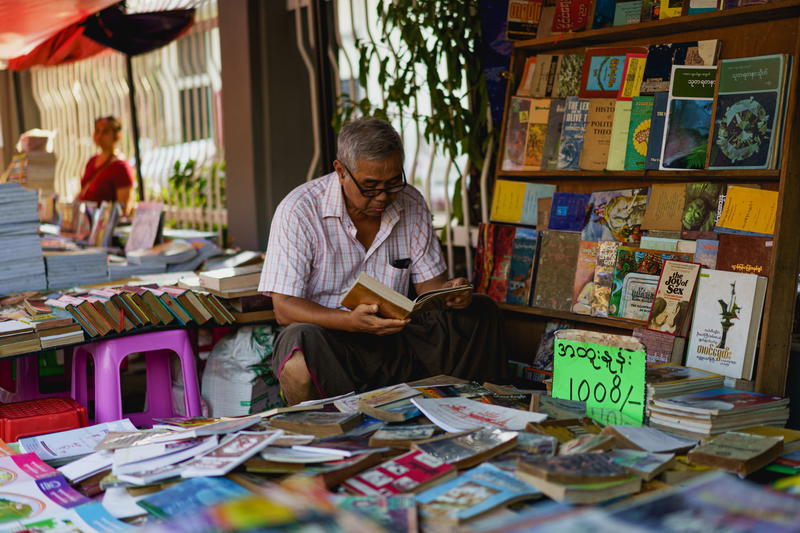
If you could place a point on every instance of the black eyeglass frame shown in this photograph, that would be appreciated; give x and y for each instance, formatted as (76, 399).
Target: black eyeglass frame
(372, 193)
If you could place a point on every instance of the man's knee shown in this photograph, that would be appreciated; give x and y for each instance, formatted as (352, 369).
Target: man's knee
(295, 370)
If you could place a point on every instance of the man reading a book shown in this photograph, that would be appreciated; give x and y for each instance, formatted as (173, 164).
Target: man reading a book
(364, 218)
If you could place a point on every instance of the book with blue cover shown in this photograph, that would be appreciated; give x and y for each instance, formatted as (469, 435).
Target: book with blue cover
(191, 496)
(473, 493)
(658, 121)
(520, 275)
(568, 211)
(572, 131)
(555, 122)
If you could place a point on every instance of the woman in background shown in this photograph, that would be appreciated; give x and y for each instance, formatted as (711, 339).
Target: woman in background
(107, 177)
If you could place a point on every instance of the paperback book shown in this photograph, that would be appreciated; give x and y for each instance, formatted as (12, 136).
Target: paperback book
(570, 145)
(555, 272)
(616, 215)
(469, 449)
(638, 132)
(409, 473)
(583, 289)
(673, 297)
(597, 137)
(602, 71)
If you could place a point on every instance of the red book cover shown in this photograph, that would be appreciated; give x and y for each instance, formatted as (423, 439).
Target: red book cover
(483, 259)
(503, 250)
(571, 15)
(410, 472)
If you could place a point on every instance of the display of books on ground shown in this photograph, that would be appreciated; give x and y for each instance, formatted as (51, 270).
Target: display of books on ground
(328, 462)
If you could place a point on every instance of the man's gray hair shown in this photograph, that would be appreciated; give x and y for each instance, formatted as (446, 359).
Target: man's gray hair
(368, 139)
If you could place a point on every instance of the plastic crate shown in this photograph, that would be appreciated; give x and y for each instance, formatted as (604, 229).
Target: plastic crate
(37, 417)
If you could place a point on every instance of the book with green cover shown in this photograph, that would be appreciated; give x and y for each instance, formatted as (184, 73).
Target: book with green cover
(638, 132)
(748, 114)
(619, 135)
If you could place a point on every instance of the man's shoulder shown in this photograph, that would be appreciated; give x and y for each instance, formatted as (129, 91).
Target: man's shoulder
(308, 196)
(413, 201)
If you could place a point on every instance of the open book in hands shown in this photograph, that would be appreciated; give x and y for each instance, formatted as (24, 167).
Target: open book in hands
(392, 304)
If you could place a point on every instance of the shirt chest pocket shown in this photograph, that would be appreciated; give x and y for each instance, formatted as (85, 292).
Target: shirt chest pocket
(398, 268)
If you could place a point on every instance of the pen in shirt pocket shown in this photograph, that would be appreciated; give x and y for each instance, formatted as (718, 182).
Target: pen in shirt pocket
(401, 263)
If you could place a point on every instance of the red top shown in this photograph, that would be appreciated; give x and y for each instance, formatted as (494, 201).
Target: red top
(105, 180)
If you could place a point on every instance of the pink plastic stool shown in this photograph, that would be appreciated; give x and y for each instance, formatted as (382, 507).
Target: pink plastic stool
(109, 354)
(26, 384)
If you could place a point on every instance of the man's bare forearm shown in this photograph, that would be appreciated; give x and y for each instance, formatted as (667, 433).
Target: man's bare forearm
(292, 309)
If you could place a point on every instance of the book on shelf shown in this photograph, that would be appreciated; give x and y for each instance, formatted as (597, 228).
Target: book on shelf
(673, 298)
(660, 347)
(691, 98)
(662, 57)
(664, 207)
(636, 275)
(742, 453)
(583, 287)
(573, 131)
(555, 124)
(411, 472)
(536, 132)
(627, 12)
(544, 76)
(750, 108)
(597, 136)
(517, 202)
(568, 211)
(670, 9)
(601, 76)
(502, 249)
(516, 135)
(465, 450)
(603, 15)
(706, 253)
(555, 271)
(546, 20)
(523, 19)
(603, 281)
(658, 122)
(616, 215)
(618, 140)
(317, 423)
(701, 6)
(521, 271)
(570, 15)
(700, 208)
(568, 77)
(638, 138)
(526, 81)
(744, 254)
(392, 304)
(473, 494)
(726, 322)
(748, 210)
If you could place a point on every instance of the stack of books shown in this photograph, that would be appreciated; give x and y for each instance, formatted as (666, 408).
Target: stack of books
(669, 379)
(21, 264)
(76, 268)
(17, 337)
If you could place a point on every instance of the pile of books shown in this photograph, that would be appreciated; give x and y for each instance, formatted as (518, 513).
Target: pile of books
(21, 264)
(647, 107)
(619, 253)
(478, 460)
(76, 268)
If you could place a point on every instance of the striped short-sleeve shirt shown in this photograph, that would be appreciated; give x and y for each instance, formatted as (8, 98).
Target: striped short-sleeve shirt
(313, 252)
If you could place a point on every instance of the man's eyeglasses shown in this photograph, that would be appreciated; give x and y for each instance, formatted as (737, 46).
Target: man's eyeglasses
(371, 193)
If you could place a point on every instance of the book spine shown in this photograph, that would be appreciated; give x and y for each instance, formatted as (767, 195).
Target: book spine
(84, 323)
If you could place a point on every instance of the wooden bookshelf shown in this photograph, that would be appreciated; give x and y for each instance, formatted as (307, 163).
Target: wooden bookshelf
(616, 323)
(744, 32)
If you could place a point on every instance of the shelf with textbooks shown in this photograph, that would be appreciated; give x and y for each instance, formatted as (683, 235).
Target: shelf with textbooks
(618, 323)
(658, 28)
(771, 29)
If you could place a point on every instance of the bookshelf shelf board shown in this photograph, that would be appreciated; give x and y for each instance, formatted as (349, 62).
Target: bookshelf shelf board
(647, 175)
(618, 323)
(656, 28)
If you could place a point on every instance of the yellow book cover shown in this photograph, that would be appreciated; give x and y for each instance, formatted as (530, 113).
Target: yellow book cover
(619, 135)
(537, 130)
(508, 200)
(632, 76)
(748, 209)
(670, 9)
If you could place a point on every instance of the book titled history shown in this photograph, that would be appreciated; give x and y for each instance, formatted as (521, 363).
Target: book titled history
(748, 116)
(555, 122)
(602, 74)
(523, 19)
(616, 215)
(744, 253)
(409, 473)
(570, 145)
(603, 277)
(568, 211)
(691, 98)
(568, 77)
(726, 321)
(638, 132)
(583, 288)
(472, 494)
(597, 137)
(673, 298)
(523, 260)
(555, 272)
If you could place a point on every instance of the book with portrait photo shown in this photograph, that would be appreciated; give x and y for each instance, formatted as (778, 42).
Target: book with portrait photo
(673, 297)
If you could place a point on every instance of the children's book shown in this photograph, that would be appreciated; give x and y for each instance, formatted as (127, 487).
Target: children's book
(616, 215)
(673, 298)
(726, 321)
(572, 133)
(691, 98)
(472, 494)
